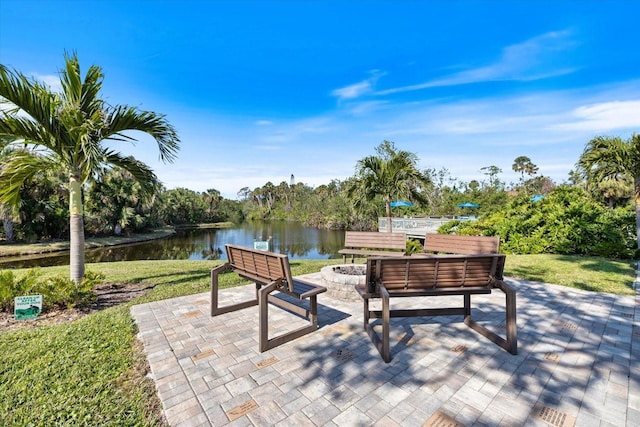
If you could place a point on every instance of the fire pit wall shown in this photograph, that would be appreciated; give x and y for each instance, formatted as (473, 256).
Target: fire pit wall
(341, 279)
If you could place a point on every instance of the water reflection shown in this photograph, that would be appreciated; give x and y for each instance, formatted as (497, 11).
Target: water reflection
(289, 238)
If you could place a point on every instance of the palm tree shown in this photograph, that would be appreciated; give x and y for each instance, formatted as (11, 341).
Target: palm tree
(212, 199)
(392, 175)
(115, 203)
(71, 130)
(5, 211)
(523, 164)
(612, 159)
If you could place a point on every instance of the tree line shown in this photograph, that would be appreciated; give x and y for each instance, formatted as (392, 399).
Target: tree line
(517, 212)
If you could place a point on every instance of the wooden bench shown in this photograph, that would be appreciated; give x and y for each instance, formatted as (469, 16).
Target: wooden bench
(436, 275)
(271, 273)
(454, 244)
(370, 243)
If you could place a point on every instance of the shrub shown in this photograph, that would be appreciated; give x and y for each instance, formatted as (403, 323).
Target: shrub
(56, 291)
(12, 286)
(413, 247)
(566, 222)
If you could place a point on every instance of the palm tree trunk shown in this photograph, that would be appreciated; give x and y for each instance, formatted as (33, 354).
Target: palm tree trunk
(388, 210)
(7, 224)
(636, 185)
(638, 220)
(76, 225)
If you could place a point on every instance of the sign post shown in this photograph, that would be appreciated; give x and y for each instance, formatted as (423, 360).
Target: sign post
(27, 307)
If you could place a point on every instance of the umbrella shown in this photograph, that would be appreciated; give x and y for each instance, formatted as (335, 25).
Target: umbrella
(400, 203)
(537, 198)
(468, 205)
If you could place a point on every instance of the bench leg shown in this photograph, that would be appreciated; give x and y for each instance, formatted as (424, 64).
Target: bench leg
(264, 297)
(215, 308)
(386, 320)
(313, 311)
(511, 342)
(381, 343)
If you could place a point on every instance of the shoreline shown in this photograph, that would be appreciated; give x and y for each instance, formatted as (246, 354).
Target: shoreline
(8, 250)
(21, 249)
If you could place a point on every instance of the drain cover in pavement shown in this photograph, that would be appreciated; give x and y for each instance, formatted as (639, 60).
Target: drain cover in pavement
(459, 349)
(344, 355)
(553, 417)
(566, 325)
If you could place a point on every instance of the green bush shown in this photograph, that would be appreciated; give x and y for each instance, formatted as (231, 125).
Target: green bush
(12, 286)
(566, 222)
(414, 246)
(56, 291)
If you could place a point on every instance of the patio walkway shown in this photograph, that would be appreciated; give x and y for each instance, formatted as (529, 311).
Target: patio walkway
(578, 364)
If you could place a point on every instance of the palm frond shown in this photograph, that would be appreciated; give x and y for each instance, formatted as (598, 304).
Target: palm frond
(124, 118)
(19, 127)
(140, 171)
(70, 80)
(19, 167)
(31, 97)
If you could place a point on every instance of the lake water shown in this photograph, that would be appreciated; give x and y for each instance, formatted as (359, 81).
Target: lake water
(289, 238)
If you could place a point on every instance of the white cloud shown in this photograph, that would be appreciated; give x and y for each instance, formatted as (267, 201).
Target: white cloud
(53, 81)
(365, 108)
(353, 91)
(359, 89)
(295, 131)
(533, 59)
(603, 117)
(550, 127)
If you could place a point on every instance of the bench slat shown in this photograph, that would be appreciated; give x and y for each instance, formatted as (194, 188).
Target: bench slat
(440, 272)
(454, 244)
(374, 239)
(370, 243)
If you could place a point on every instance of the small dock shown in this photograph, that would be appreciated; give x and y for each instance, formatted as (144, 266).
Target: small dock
(416, 228)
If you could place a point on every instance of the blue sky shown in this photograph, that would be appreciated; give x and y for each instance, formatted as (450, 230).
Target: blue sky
(260, 90)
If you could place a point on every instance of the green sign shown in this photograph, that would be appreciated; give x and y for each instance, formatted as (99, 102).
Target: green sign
(27, 307)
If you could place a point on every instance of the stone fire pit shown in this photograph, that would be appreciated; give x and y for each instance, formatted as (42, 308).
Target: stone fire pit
(341, 279)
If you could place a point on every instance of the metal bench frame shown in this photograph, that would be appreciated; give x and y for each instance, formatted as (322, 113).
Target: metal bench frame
(436, 275)
(271, 273)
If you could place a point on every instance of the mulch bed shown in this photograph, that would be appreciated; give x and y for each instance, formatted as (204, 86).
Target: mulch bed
(109, 295)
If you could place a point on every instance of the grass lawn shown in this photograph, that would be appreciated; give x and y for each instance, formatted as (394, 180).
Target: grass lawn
(92, 371)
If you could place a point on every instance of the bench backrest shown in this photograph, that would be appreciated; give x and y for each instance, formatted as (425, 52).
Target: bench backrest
(454, 244)
(438, 271)
(261, 266)
(375, 239)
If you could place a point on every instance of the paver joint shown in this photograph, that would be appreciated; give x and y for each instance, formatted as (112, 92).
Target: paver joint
(578, 364)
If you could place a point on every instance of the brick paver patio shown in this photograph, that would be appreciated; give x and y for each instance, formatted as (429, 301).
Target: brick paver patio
(578, 364)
